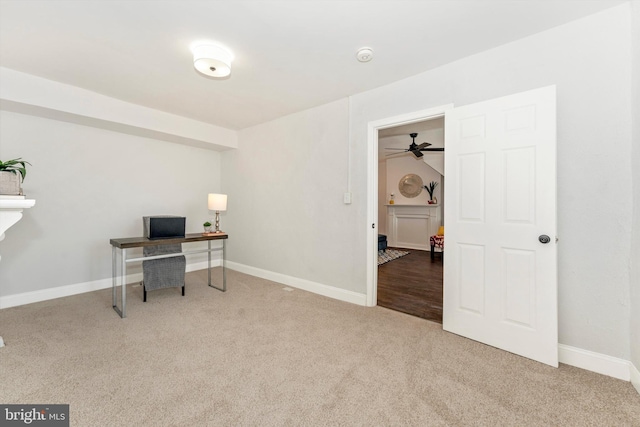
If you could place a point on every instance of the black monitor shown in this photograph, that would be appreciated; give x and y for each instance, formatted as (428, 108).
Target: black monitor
(166, 227)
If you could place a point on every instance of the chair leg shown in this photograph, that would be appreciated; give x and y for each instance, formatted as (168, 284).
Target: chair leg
(432, 253)
(183, 286)
(144, 293)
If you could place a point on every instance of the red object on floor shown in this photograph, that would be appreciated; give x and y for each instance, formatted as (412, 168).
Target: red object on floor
(436, 242)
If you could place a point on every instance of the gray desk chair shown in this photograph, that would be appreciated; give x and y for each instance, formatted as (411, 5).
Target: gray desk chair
(165, 272)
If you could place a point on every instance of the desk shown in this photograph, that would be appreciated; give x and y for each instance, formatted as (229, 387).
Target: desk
(137, 242)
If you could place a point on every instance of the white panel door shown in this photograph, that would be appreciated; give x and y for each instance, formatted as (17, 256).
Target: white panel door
(500, 280)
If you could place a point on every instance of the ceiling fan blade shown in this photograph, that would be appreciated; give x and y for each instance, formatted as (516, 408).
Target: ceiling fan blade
(432, 149)
(423, 145)
(403, 149)
(417, 153)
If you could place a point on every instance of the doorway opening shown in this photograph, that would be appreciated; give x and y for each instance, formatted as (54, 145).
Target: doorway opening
(410, 202)
(402, 228)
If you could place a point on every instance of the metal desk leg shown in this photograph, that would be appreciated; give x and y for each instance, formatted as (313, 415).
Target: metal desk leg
(209, 262)
(123, 285)
(113, 275)
(224, 274)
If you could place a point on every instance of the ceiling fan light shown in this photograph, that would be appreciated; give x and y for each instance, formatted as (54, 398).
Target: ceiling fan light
(212, 60)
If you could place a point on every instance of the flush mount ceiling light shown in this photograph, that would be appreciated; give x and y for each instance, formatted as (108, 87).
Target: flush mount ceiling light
(364, 54)
(212, 60)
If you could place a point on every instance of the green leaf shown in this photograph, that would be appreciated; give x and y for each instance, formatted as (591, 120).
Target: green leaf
(15, 166)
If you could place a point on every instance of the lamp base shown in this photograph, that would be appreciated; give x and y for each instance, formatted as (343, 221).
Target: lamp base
(213, 233)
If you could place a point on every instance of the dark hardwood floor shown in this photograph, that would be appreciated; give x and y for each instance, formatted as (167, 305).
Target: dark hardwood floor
(412, 284)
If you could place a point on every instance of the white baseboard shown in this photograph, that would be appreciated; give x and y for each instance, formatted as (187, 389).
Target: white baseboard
(635, 376)
(595, 362)
(307, 285)
(405, 245)
(60, 291)
(203, 265)
(80, 288)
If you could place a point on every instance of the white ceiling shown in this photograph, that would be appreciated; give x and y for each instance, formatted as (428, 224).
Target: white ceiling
(289, 56)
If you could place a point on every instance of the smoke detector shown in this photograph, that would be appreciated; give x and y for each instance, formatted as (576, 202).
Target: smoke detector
(364, 54)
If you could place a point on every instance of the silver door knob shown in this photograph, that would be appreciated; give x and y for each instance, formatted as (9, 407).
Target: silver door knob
(543, 238)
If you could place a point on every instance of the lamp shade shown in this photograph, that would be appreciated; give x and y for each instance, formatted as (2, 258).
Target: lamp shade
(217, 202)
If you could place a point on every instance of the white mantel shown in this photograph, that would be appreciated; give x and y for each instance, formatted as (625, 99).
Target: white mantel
(410, 226)
(11, 208)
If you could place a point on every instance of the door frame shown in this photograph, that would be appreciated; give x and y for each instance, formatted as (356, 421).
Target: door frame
(372, 185)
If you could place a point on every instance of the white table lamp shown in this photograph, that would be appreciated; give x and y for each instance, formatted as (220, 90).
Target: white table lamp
(217, 202)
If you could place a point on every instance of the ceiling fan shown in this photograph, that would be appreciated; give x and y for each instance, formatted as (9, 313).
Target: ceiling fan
(415, 148)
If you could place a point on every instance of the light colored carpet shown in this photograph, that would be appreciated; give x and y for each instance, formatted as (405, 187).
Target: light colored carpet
(389, 255)
(258, 355)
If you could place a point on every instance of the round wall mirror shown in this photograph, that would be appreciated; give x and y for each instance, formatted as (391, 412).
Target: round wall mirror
(410, 185)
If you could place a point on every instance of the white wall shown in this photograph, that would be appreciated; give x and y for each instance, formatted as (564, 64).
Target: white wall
(635, 237)
(589, 62)
(91, 185)
(285, 184)
(398, 167)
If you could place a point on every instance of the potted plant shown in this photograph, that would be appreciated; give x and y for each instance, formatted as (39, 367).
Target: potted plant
(430, 189)
(12, 173)
(207, 227)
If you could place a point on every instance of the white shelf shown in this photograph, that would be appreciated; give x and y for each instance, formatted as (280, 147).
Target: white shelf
(13, 204)
(11, 208)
